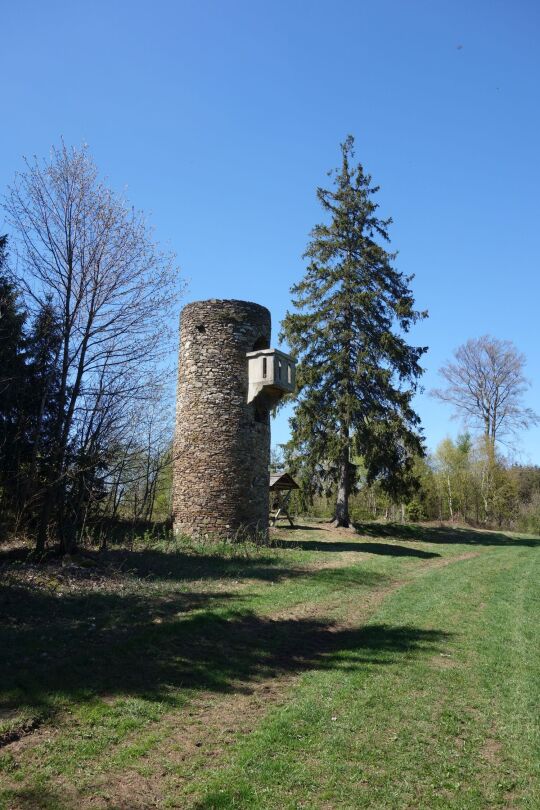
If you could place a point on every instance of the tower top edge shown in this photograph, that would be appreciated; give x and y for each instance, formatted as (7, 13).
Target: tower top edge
(226, 302)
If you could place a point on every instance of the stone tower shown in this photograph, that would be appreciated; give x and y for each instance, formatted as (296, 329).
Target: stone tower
(228, 379)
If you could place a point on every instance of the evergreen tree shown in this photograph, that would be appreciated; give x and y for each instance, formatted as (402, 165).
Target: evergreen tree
(40, 414)
(356, 373)
(12, 379)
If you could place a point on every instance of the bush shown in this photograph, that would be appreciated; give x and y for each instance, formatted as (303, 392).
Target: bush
(528, 519)
(415, 511)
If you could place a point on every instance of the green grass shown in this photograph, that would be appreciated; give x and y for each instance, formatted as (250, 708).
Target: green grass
(406, 659)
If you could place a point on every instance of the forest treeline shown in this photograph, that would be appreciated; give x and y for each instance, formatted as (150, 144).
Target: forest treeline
(460, 483)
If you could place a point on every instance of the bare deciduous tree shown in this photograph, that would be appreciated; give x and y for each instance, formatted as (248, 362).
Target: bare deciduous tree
(485, 384)
(140, 462)
(82, 250)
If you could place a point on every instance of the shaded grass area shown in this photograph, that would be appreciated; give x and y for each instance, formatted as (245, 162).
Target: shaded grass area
(135, 646)
(408, 532)
(96, 654)
(449, 535)
(333, 546)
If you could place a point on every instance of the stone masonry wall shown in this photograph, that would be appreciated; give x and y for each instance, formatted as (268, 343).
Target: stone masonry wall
(222, 443)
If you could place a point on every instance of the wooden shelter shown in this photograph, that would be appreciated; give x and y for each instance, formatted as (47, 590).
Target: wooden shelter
(281, 486)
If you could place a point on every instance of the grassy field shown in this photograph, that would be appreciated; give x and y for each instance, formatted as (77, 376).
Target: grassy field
(397, 667)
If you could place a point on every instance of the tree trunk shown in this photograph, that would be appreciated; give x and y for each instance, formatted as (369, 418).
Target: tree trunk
(47, 509)
(343, 491)
(450, 499)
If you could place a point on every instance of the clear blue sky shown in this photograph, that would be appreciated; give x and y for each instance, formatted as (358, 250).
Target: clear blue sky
(221, 118)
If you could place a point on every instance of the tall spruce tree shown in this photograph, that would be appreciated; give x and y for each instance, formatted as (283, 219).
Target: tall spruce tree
(356, 373)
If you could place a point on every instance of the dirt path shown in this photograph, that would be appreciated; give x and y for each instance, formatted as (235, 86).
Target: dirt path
(198, 737)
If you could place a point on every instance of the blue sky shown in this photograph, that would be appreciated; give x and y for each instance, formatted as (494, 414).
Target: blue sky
(222, 118)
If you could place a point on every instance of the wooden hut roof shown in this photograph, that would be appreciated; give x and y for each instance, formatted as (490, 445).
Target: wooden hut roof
(282, 481)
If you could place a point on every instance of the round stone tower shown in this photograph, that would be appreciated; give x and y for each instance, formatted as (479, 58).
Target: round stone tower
(222, 440)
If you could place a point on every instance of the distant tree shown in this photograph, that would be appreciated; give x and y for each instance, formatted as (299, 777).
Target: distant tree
(140, 474)
(89, 257)
(277, 459)
(452, 463)
(527, 481)
(356, 373)
(485, 384)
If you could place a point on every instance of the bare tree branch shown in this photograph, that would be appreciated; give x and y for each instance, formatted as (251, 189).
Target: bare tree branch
(486, 384)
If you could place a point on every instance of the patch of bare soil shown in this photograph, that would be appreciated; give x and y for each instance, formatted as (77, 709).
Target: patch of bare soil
(61, 575)
(491, 751)
(19, 731)
(443, 661)
(342, 530)
(38, 731)
(444, 561)
(199, 737)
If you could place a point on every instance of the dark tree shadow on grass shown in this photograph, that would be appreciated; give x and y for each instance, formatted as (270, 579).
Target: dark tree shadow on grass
(300, 528)
(152, 565)
(442, 534)
(85, 646)
(178, 565)
(38, 798)
(385, 549)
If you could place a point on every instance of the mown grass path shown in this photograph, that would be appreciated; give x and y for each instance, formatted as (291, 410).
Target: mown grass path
(395, 668)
